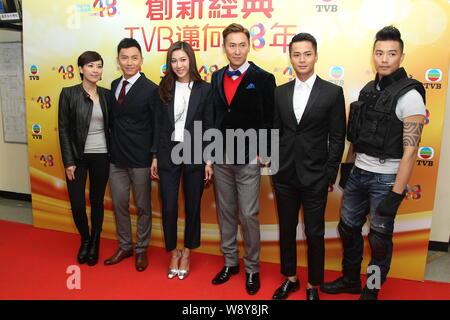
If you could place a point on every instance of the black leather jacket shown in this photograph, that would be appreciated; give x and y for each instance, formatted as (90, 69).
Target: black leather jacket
(74, 118)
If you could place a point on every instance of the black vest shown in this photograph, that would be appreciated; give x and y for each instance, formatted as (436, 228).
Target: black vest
(373, 126)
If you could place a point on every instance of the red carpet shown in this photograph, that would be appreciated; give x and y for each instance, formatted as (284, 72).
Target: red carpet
(34, 261)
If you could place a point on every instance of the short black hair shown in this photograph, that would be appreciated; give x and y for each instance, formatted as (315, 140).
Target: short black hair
(88, 57)
(389, 33)
(303, 36)
(126, 43)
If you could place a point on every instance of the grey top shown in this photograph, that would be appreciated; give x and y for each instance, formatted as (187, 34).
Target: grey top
(96, 140)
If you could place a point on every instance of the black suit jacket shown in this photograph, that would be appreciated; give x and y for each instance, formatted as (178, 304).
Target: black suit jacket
(199, 109)
(132, 124)
(252, 105)
(313, 148)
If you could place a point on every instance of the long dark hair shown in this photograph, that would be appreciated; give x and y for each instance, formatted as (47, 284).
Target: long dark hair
(168, 81)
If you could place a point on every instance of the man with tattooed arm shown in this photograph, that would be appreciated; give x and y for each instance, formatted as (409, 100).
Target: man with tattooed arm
(384, 128)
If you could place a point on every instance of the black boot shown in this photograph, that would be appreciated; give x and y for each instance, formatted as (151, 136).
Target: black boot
(352, 243)
(94, 247)
(342, 285)
(83, 251)
(350, 282)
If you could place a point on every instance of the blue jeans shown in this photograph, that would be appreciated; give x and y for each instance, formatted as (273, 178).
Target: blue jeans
(363, 193)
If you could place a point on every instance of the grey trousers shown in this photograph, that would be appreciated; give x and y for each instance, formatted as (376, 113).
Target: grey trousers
(237, 195)
(120, 181)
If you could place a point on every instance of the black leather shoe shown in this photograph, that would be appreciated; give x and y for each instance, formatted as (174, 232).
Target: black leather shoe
(94, 246)
(83, 251)
(225, 274)
(285, 289)
(369, 294)
(342, 285)
(252, 284)
(312, 294)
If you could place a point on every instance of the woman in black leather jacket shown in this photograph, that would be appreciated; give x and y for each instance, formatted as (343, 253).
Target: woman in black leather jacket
(83, 119)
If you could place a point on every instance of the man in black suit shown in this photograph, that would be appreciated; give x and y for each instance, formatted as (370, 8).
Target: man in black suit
(133, 99)
(310, 114)
(243, 99)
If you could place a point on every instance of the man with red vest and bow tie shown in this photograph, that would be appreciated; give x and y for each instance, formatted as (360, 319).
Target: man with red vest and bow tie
(243, 99)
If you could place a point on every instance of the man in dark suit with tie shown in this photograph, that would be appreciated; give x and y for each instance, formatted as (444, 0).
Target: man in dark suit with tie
(132, 120)
(243, 99)
(310, 114)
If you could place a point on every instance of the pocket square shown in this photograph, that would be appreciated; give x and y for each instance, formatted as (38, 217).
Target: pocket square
(251, 86)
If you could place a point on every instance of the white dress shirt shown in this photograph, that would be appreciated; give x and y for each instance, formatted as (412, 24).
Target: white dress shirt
(181, 104)
(131, 81)
(242, 69)
(302, 91)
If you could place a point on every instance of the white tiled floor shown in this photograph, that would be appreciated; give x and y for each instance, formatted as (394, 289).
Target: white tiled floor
(16, 211)
(438, 263)
(438, 266)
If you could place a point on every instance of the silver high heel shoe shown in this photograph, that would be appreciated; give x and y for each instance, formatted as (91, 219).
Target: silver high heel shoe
(183, 273)
(174, 272)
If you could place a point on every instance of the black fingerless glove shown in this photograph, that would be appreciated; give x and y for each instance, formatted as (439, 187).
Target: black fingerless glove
(388, 206)
(346, 168)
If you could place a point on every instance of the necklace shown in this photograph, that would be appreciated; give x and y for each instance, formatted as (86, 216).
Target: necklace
(91, 93)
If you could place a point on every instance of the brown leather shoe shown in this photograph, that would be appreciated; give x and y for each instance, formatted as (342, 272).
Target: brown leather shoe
(118, 256)
(141, 261)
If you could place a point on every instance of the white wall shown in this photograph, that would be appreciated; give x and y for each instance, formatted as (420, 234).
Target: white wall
(440, 227)
(14, 173)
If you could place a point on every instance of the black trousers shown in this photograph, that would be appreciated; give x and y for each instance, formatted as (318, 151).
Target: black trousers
(97, 166)
(290, 198)
(193, 190)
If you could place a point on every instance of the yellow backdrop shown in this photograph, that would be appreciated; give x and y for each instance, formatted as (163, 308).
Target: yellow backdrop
(57, 32)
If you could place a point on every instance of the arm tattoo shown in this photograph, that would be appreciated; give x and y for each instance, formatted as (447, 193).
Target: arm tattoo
(411, 133)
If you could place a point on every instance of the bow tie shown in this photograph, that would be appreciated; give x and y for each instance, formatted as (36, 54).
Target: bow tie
(233, 73)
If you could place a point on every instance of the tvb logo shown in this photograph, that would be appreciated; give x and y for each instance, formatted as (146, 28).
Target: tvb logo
(425, 155)
(34, 72)
(433, 76)
(337, 75)
(326, 6)
(36, 131)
